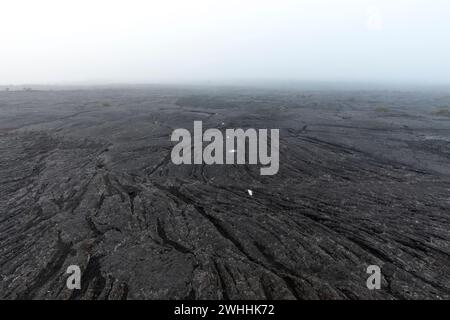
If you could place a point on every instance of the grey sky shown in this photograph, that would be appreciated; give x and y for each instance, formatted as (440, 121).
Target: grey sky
(107, 41)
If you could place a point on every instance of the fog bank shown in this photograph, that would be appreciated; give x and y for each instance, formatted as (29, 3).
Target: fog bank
(177, 41)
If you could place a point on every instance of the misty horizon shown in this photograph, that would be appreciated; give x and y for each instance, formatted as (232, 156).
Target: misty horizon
(176, 42)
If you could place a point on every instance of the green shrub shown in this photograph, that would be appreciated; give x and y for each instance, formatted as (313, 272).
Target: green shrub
(382, 109)
(442, 112)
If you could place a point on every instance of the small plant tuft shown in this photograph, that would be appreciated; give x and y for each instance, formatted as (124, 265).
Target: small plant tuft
(382, 109)
(442, 112)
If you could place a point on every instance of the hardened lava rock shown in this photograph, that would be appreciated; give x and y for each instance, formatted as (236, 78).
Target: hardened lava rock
(86, 179)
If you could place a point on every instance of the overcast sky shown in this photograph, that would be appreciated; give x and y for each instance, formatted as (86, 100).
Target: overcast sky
(132, 41)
